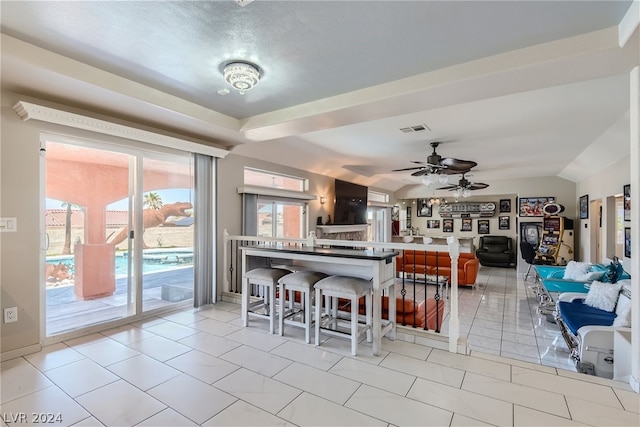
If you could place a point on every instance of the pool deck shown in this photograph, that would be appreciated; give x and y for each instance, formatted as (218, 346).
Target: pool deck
(66, 312)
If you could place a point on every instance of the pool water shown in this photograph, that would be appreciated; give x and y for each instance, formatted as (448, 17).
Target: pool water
(152, 260)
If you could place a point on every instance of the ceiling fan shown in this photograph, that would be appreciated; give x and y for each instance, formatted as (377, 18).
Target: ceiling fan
(464, 187)
(438, 165)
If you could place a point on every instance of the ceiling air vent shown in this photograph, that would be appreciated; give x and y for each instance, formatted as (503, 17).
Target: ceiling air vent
(415, 128)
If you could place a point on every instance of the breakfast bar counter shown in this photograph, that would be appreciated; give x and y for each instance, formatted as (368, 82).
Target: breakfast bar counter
(377, 266)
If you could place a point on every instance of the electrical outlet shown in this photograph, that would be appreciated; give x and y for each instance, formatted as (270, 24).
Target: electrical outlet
(10, 314)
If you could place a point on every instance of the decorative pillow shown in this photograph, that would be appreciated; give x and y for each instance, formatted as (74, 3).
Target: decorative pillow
(614, 272)
(590, 276)
(623, 313)
(575, 270)
(603, 295)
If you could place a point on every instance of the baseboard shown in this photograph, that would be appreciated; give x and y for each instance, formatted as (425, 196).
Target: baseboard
(232, 297)
(431, 339)
(12, 354)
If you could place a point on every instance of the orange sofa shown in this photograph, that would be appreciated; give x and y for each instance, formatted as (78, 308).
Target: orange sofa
(410, 310)
(424, 262)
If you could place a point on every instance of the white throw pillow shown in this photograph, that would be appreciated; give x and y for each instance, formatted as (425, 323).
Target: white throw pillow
(623, 312)
(576, 270)
(603, 295)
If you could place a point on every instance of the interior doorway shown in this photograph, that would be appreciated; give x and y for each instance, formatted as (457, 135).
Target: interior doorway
(596, 231)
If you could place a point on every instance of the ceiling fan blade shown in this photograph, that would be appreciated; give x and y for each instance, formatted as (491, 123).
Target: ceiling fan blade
(421, 172)
(435, 166)
(448, 187)
(457, 164)
(477, 186)
(408, 169)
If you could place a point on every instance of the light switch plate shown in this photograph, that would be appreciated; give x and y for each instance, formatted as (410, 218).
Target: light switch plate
(8, 224)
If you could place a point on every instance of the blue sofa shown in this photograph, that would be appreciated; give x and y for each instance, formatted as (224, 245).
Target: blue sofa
(589, 332)
(552, 282)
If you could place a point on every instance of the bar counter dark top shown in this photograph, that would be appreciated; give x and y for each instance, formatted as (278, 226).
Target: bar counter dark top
(329, 252)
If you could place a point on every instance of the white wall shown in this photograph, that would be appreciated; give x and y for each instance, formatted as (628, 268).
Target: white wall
(20, 251)
(601, 185)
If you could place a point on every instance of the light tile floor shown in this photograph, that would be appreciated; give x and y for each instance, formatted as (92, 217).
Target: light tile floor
(202, 368)
(500, 316)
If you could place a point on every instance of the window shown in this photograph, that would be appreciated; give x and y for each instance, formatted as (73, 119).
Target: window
(268, 179)
(377, 197)
(280, 218)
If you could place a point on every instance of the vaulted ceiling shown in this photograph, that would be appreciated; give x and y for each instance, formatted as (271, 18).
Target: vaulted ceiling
(524, 88)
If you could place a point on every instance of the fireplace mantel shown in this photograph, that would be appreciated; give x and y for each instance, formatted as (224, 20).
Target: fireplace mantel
(328, 229)
(342, 232)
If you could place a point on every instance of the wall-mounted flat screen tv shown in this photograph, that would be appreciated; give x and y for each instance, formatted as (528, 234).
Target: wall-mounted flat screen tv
(351, 203)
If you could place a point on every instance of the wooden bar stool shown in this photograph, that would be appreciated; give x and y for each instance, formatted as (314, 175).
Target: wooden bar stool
(266, 279)
(352, 289)
(300, 281)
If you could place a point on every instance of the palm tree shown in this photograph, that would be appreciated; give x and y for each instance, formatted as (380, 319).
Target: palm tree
(153, 201)
(66, 249)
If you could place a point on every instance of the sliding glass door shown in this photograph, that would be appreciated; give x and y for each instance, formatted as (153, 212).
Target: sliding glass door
(168, 225)
(119, 232)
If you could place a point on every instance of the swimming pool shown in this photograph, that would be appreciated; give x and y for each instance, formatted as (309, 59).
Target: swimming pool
(152, 260)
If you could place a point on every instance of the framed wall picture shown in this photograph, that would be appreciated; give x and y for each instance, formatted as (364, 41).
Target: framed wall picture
(584, 206)
(504, 222)
(424, 208)
(532, 206)
(627, 242)
(447, 225)
(626, 192)
(505, 205)
(483, 226)
(466, 225)
(433, 223)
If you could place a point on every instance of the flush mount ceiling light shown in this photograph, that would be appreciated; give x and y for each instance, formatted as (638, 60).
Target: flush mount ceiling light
(241, 75)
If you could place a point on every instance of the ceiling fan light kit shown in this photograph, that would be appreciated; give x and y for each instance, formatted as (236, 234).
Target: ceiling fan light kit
(429, 179)
(436, 201)
(432, 178)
